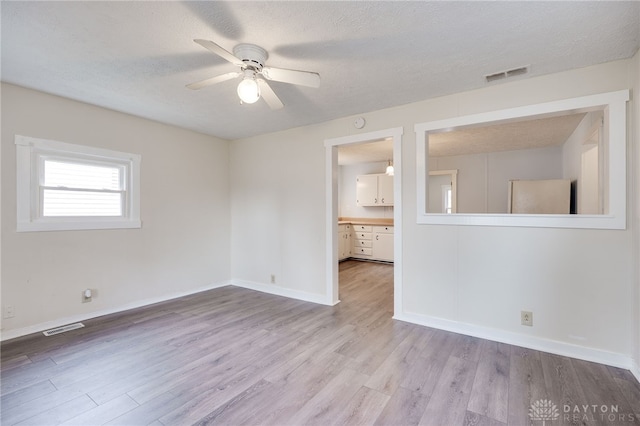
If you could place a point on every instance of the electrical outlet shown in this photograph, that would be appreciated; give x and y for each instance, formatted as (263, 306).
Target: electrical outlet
(273, 279)
(9, 311)
(526, 318)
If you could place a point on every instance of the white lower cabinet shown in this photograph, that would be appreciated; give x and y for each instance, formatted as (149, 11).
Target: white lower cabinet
(344, 241)
(372, 242)
(361, 241)
(382, 243)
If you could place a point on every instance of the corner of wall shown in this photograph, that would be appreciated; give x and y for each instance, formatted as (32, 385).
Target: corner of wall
(635, 192)
(635, 370)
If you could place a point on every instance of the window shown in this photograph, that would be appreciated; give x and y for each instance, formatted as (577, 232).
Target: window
(61, 186)
(612, 176)
(446, 199)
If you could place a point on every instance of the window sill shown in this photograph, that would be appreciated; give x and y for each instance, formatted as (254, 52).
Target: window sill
(40, 226)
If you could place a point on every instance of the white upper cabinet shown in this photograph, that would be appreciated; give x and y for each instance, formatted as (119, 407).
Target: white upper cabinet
(385, 189)
(367, 190)
(374, 190)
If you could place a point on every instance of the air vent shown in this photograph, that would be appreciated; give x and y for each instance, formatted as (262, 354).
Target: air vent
(63, 329)
(494, 77)
(505, 74)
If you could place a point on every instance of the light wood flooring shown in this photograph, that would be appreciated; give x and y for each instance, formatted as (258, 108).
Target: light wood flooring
(239, 357)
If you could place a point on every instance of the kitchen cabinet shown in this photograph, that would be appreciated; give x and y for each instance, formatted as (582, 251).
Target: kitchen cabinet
(372, 242)
(344, 241)
(385, 189)
(362, 241)
(382, 243)
(374, 190)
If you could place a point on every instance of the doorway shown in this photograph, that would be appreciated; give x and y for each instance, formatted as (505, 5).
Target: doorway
(332, 240)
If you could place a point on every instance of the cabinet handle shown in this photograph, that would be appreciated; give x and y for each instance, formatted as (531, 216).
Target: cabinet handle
(377, 237)
(383, 201)
(375, 200)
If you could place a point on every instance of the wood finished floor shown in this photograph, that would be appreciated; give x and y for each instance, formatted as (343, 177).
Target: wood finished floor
(238, 357)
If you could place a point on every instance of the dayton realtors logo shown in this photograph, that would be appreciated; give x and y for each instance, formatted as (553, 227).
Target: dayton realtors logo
(545, 410)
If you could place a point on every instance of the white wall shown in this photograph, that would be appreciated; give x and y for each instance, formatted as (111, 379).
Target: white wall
(182, 247)
(483, 178)
(582, 285)
(347, 206)
(277, 210)
(579, 283)
(634, 129)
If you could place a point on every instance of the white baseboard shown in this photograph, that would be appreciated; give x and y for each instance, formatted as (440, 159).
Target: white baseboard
(545, 345)
(282, 291)
(531, 342)
(19, 332)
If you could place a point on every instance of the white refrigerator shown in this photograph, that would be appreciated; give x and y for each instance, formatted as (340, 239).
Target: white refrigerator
(550, 196)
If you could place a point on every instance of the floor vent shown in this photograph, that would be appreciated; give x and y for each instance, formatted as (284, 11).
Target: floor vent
(505, 74)
(63, 329)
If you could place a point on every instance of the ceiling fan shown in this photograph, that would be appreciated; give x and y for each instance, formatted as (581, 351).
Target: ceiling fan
(251, 60)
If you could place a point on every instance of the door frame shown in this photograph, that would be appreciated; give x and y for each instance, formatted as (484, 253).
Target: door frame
(331, 149)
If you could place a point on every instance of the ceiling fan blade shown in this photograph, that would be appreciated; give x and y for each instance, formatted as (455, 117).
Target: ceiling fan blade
(213, 80)
(269, 95)
(302, 78)
(224, 54)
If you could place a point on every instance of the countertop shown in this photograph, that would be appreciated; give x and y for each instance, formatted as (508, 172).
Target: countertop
(365, 221)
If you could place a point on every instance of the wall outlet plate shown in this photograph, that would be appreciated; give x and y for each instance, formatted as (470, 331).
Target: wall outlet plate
(9, 311)
(526, 318)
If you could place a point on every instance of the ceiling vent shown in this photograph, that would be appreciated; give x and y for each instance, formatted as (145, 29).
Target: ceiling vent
(505, 74)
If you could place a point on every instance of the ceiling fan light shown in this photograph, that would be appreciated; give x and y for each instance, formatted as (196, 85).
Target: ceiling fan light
(248, 90)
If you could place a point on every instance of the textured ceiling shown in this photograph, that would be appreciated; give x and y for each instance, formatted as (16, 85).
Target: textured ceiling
(523, 134)
(370, 152)
(137, 57)
(516, 135)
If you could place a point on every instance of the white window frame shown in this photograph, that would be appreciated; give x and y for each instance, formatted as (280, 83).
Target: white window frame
(31, 154)
(615, 103)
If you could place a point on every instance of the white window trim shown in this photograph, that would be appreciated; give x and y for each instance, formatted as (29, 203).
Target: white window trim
(29, 155)
(615, 102)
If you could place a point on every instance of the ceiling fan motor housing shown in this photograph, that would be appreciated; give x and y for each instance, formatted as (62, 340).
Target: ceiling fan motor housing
(253, 56)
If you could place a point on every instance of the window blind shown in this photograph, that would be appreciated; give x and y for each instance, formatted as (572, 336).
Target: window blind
(80, 189)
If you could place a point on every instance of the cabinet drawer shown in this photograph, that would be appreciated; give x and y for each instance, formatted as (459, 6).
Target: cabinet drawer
(362, 235)
(383, 229)
(362, 251)
(344, 228)
(362, 243)
(362, 228)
